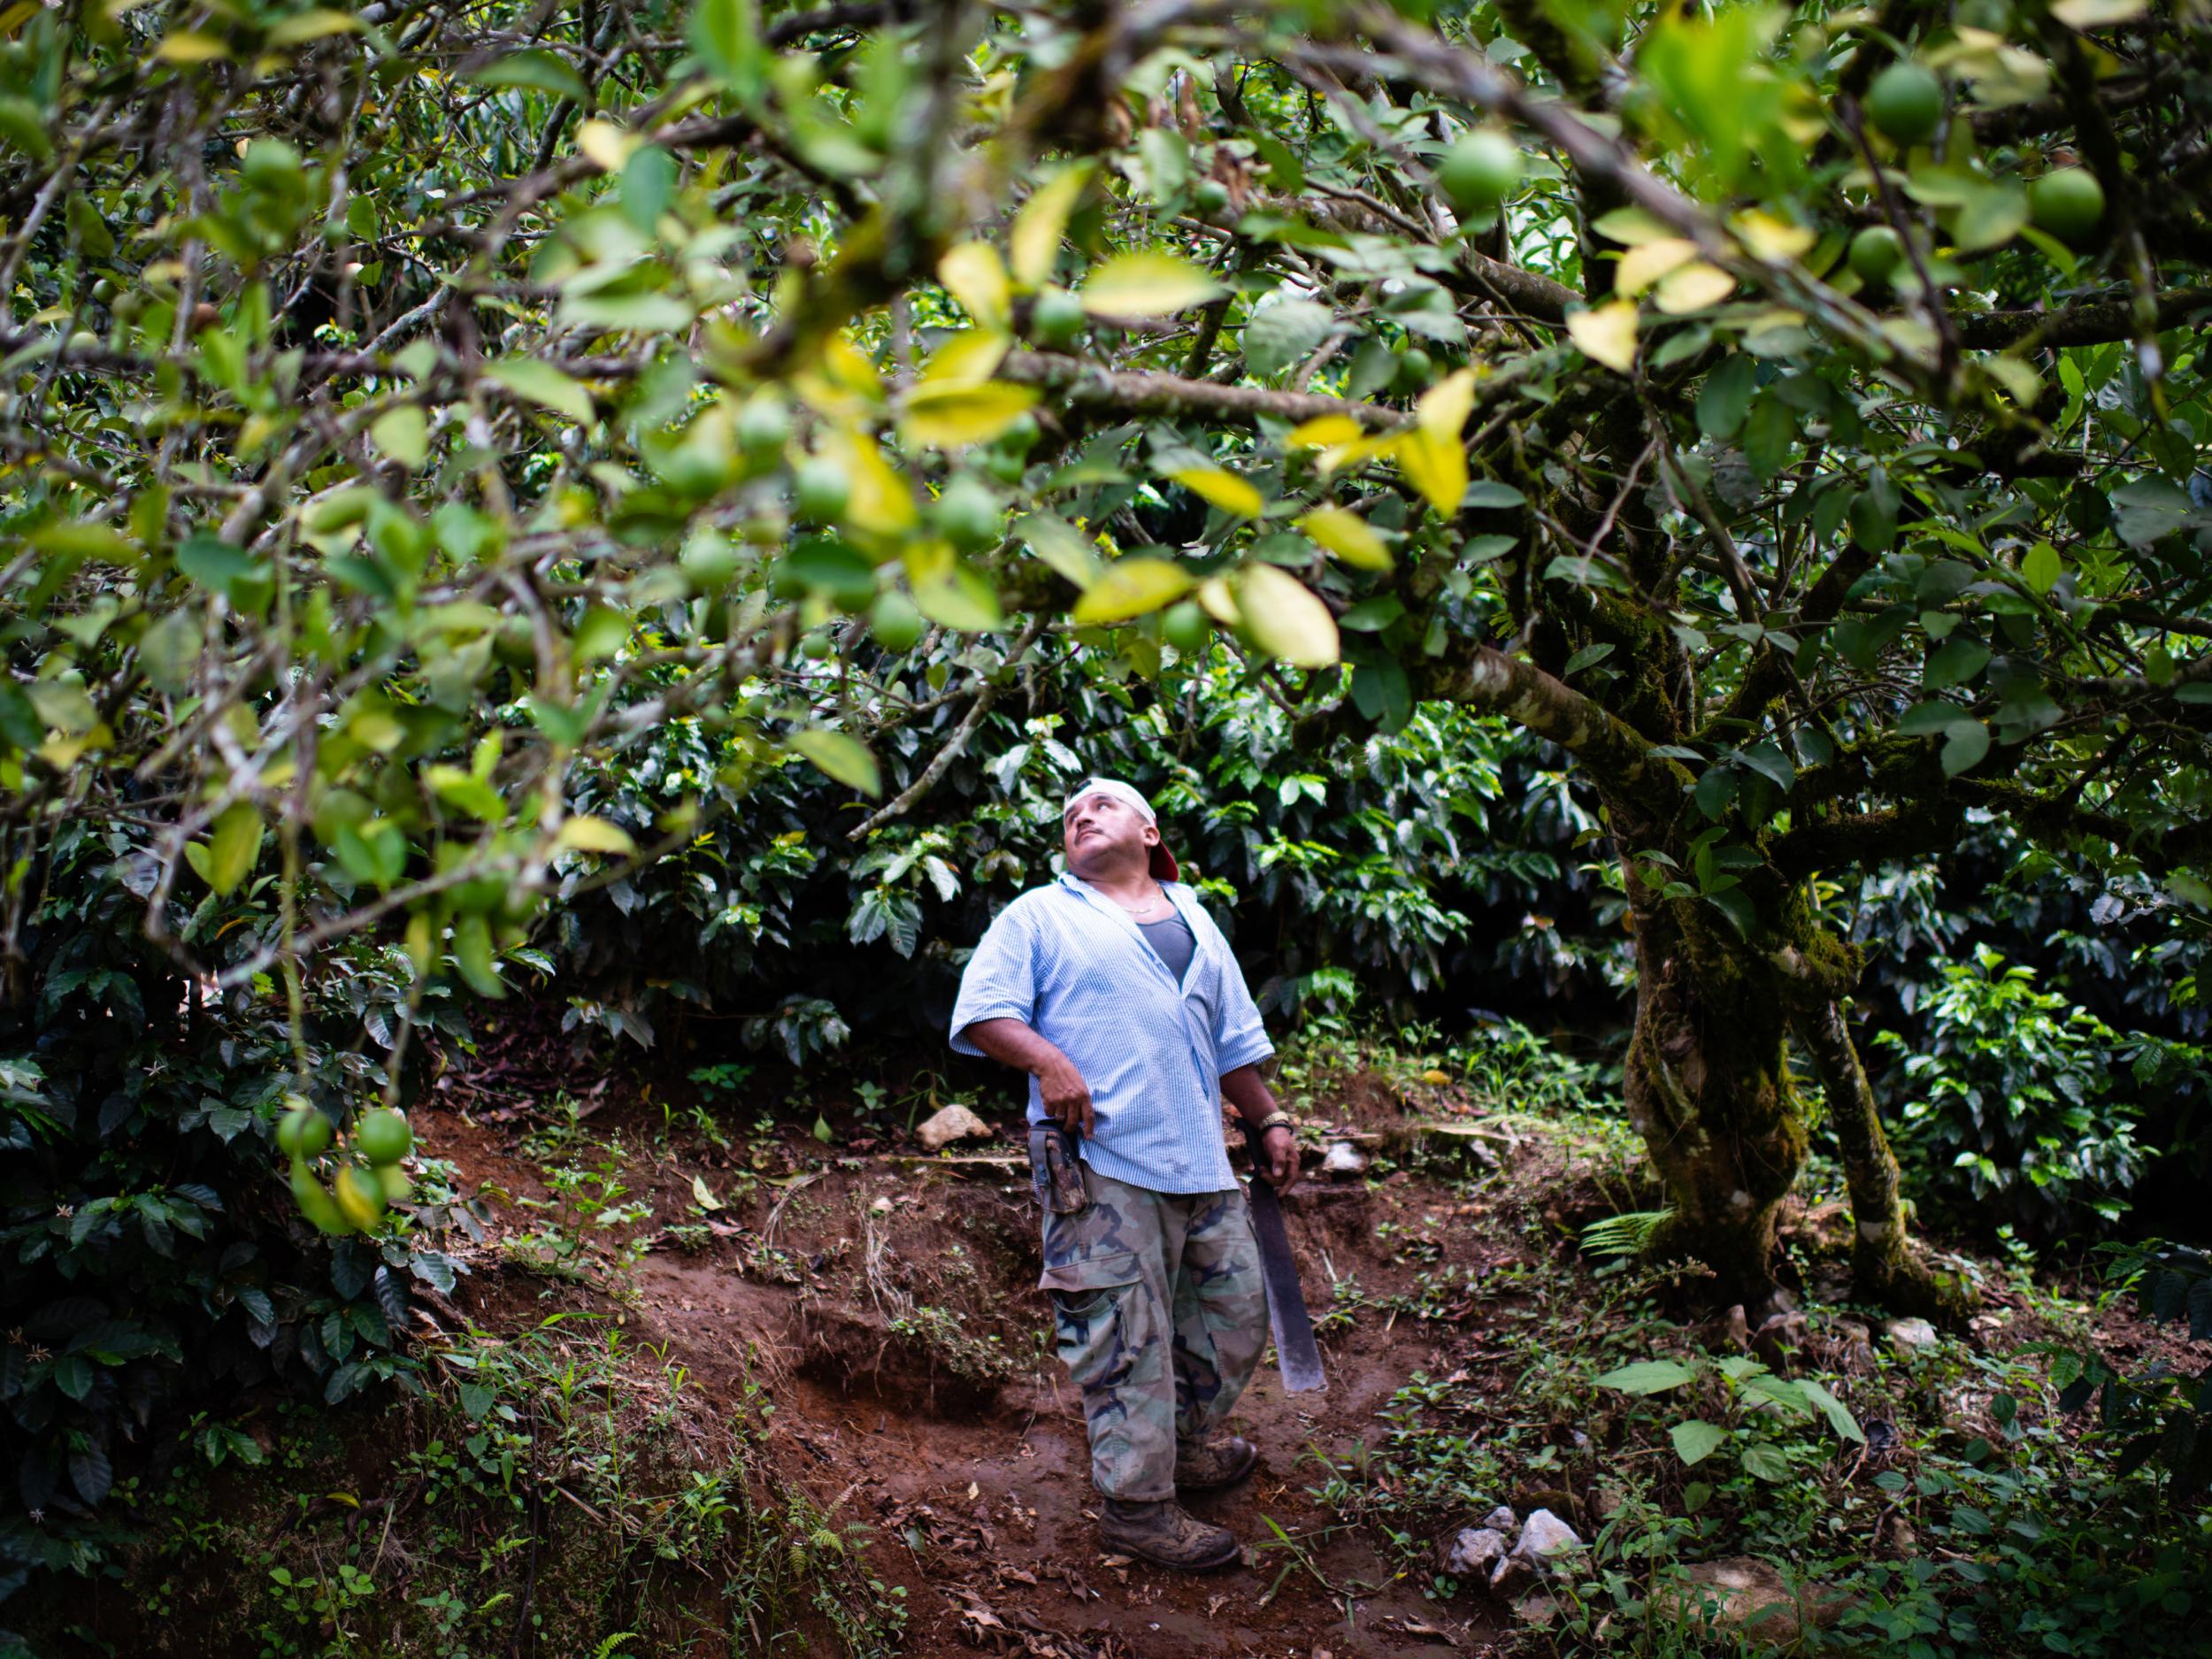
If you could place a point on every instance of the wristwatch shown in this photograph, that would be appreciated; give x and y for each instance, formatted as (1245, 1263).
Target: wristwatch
(1279, 1120)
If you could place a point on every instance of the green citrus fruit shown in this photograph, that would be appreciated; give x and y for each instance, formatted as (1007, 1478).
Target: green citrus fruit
(103, 292)
(360, 1197)
(1905, 102)
(823, 489)
(383, 1136)
(1209, 196)
(764, 426)
(709, 562)
(1876, 253)
(2068, 203)
(1021, 434)
(302, 1132)
(897, 624)
(968, 514)
(1480, 171)
(817, 647)
(1056, 319)
(1416, 370)
(1187, 628)
(315, 1203)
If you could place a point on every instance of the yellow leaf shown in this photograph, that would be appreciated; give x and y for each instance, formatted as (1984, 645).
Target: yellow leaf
(1129, 587)
(187, 46)
(1220, 603)
(1772, 238)
(1222, 489)
(945, 417)
(1348, 535)
(967, 359)
(606, 146)
(840, 383)
(1284, 619)
(1607, 333)
(1648, 261)
(882, 503)
(1436, 467)
(2096, 14)
(310, 25)
(975, 276)
(948, 590)
(1034, 239)
(1325, 432)
(1692, 287)
(1630, 225)
(585, 833)
(1443, 409)
(1147, 283)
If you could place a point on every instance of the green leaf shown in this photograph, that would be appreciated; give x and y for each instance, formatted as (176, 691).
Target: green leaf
(541, 383)
(536, 71)
(1963, 749)
(234, 846)
(1648, 1377)
(1765, 1462)
(1695, 1441)
(1725, 396)
(1839, 1415)
(1736, 905)
(404, 433)
(1060, 545)
(842, 756)
(2040, 567)
(1958, 662)
(726, 37)
(1284, 333)
(473, 954)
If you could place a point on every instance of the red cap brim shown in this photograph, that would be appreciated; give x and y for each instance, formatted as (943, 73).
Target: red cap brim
(1163, 864)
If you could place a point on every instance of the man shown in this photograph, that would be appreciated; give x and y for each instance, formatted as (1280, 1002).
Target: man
(1115, 991)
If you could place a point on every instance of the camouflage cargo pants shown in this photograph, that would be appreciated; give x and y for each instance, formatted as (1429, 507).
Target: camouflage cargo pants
(1160, 1314)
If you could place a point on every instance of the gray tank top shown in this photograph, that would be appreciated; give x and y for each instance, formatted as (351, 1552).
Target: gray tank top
(1174, 941)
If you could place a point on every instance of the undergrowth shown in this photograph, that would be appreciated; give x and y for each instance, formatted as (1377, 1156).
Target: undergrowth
(1939, 1501)
(558, 1492)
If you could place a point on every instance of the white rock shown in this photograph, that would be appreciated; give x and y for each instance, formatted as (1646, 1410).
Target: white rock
(1501, 1520)
(953, 1122)
(1476, 1553)
(1343, 1158)
(1910, 1334)
(1543, 1536)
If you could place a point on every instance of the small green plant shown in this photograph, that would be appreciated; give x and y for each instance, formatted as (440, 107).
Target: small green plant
(1760, 1414)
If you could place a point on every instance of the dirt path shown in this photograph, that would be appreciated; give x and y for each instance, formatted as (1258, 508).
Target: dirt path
(981, 1496)
(889, 1307)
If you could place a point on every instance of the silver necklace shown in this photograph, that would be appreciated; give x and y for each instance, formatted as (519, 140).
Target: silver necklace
(1139, 909)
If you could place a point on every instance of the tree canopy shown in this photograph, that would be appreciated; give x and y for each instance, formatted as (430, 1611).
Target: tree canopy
(1794, 415)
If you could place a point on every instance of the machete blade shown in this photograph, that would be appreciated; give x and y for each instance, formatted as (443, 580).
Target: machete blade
(1294, 1349)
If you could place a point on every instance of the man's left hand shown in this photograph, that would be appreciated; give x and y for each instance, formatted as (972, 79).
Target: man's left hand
(1278, 1159)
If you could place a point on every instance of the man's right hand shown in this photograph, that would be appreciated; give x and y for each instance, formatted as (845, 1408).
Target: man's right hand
(1067, 1098)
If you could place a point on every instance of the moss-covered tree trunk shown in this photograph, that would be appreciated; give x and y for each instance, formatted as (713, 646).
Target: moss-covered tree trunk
(1884, 1266)
(1708, 1086)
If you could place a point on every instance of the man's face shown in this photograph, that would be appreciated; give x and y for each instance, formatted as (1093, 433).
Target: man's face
(1100, 831)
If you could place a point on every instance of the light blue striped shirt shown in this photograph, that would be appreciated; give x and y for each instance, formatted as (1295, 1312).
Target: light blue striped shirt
(1071, 964)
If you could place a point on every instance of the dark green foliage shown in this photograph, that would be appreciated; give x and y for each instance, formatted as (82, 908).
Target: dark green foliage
(149, 1254)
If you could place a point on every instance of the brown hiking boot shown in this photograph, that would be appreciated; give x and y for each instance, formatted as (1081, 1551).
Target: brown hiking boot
(1163, 1533)
(1203, 1466)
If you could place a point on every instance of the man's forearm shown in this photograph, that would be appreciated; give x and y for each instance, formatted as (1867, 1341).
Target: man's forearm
(1011, 1042)
(1249, 1092)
